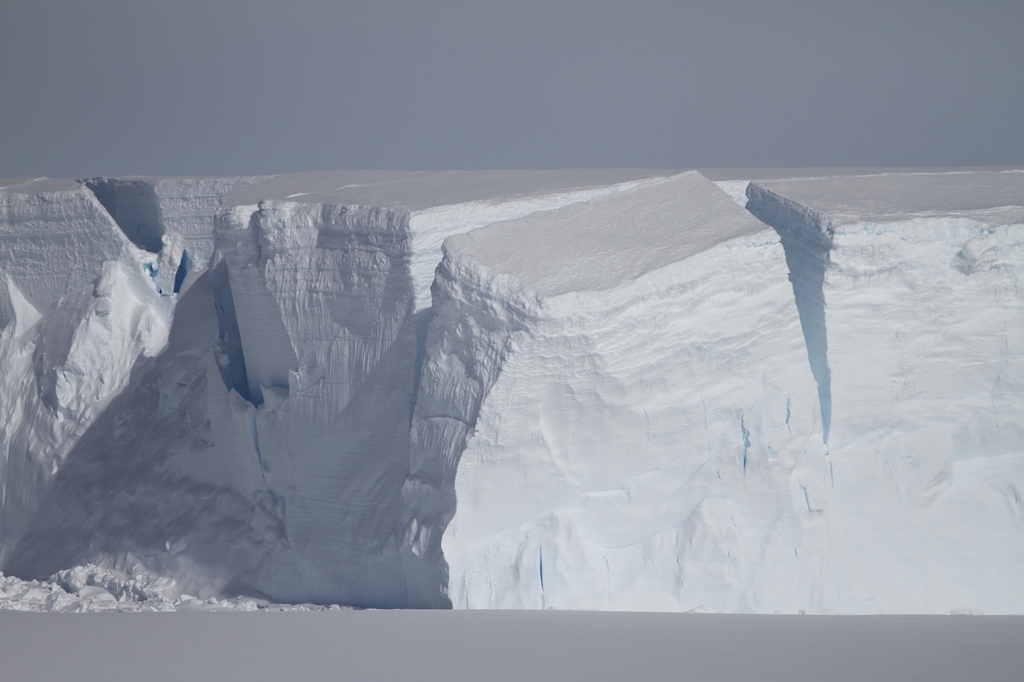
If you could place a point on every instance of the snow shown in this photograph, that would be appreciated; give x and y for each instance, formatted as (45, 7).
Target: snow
(287, 376)
(606, 390)
(634, 447)
(440, 204)
(913, 454)
(602, 244)
(925, 335)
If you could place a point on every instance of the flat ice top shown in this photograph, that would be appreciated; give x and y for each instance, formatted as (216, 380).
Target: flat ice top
(191, 178)
(759, 174)
(610, 240)
(37, 185)
(420, 190)
(892, 195)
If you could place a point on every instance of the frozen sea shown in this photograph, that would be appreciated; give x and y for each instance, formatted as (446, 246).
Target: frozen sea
(506, 645)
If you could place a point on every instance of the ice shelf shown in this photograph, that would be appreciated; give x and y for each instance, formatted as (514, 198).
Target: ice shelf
(618, 389)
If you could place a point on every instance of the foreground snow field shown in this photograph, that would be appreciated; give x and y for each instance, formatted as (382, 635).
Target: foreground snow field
(524, 389)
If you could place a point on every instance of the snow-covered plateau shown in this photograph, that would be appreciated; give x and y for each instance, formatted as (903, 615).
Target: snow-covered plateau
(586, 389)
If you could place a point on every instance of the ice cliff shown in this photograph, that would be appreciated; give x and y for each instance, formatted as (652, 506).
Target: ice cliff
(262, 442)
(642, 416)
(919, 315)
(609, 389)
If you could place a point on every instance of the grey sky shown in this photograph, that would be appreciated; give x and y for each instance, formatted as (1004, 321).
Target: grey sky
(245, 86)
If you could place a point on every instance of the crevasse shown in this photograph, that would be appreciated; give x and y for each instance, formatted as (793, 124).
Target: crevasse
(806, 238)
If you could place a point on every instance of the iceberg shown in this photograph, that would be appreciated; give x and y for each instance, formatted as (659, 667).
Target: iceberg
(77, 308)
(328, 288)
(629, 382)
(264, 445)
(620, 389)
(911, 295)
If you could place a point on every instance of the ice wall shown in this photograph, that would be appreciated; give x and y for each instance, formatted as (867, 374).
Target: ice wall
(908, 297)
(638, 424)
(188, 205)
(79, 309)
(170, 217)
(134, 206)
(54, 238)
(922, 303)
(128, 491)
(323, 302)
(324, 294)
(266, 448)
(618, 395)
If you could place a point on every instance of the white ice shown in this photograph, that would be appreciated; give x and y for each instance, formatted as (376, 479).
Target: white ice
(610, 389)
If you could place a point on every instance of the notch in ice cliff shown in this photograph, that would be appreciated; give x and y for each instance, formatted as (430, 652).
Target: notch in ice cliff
(282, 470)
(610, 389)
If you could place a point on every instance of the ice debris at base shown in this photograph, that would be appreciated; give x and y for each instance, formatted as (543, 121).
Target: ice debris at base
(609, 389)
(93, 589)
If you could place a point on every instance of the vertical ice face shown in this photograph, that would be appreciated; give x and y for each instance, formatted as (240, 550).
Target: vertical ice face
(135, 208)
(616, 412)
(807, 240)
(921, 299)
(323, 302)
(91, 417)
(79, 308)
(324, 274)
(266, 447)
(188, 205)
(169, 217)
(157, 476)
(54, 239)
(616, 397)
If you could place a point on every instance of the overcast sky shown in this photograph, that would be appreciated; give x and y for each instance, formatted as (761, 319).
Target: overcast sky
(165, 87)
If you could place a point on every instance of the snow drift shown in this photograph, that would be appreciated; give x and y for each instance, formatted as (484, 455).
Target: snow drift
(618, 390)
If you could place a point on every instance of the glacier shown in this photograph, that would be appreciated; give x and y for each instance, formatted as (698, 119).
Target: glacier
(619, 389)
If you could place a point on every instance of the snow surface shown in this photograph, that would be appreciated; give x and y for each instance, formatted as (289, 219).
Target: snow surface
(610, 389)
(890, 197)
(440, 204)
(605, 243)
